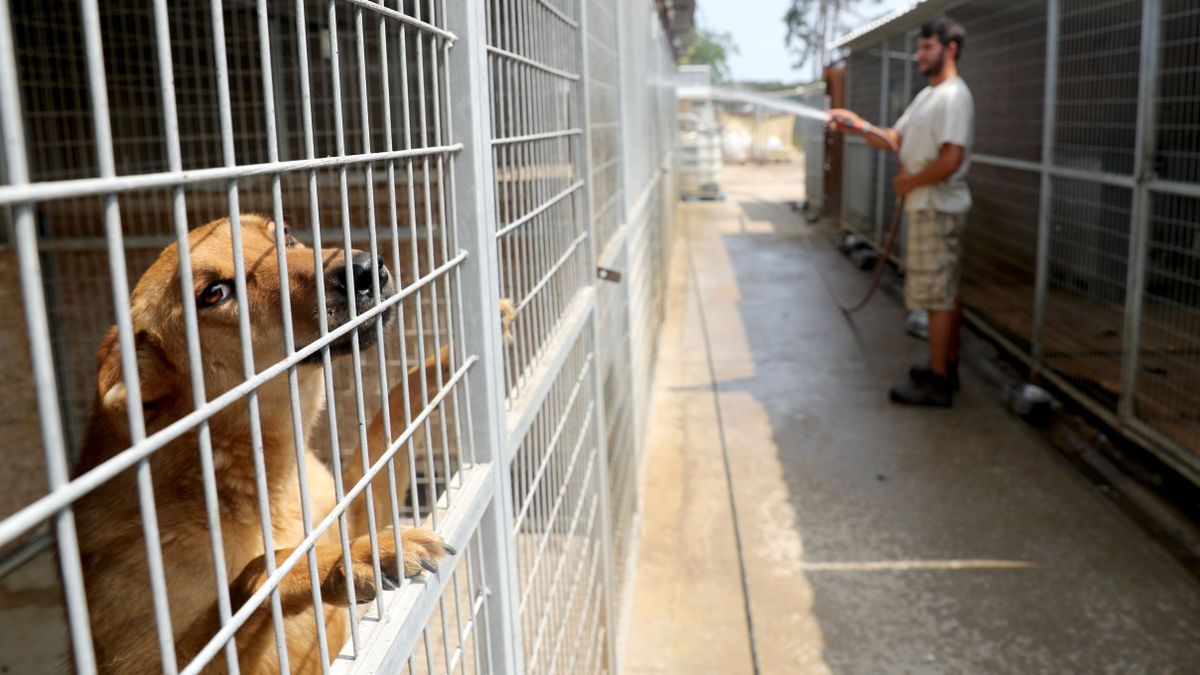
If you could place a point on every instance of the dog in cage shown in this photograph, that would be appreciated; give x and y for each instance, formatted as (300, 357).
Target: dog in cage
(109, 519)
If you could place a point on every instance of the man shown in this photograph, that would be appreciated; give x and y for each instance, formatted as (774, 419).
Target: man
(935, 135)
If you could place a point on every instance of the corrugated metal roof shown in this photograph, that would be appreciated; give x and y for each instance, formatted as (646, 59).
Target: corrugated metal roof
(902, 19)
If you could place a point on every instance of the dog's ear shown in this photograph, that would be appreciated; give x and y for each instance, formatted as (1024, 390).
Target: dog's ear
(156, 376)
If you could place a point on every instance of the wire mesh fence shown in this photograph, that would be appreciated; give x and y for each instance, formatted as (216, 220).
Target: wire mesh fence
(360, 402)
(1080, 251)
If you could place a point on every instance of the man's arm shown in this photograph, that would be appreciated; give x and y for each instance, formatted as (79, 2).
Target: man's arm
(949, 159)
(840, 116)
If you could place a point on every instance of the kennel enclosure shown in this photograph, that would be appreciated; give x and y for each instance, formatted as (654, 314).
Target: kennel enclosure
(1082, 251)
(481, 151)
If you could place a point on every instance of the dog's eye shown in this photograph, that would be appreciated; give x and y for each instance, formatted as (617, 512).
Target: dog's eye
(215, 293)
(287, 236)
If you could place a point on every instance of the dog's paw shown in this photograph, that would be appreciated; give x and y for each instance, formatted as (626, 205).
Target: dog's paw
(508, 314)
(423, 549)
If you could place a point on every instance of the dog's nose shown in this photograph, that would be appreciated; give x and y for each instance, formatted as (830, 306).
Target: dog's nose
(361, 269)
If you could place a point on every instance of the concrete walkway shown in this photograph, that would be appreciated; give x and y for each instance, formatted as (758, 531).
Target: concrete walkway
(878, 539)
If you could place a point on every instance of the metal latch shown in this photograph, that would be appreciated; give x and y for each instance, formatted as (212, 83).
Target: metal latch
(608, 275)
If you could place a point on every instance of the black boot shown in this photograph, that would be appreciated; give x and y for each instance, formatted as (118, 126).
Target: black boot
(933, 391)
(919, 374)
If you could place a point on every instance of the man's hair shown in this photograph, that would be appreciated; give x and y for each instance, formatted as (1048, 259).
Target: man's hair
(946, 31)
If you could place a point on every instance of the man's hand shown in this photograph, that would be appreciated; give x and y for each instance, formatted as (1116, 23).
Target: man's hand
(881, 138)
(903, 183)
(844, 120)
(947, 162)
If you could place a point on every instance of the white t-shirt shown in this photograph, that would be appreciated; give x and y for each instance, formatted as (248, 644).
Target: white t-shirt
(938, 115)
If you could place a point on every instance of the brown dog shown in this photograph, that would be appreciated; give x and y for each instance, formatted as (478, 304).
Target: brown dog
(109, 518)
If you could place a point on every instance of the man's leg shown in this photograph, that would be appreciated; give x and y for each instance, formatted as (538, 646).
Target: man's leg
(932, 281)
(945, 334)
(956, 331)
(941, 330)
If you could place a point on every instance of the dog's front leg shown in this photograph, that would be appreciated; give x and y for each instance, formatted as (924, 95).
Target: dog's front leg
(405, 402)
(421, 549)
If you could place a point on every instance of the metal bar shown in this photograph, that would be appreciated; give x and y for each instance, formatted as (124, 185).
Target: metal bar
(1045, 194)
(579, 583)
(531, 63)
(1171, 187)
(880, 159)
(547, 620)
(243, 311)
(102, 129)
(1174, 454)
(414, 259)
(394, 499)
(557, 503)
(431, 465)
(524, 258)
(505, 158)
(477, 588)
(542, 379)
(191, 324)
(558, 264)
(387, 12)
(44, 507)
(601, 168)
(540, 209)
(537, 137)
(909, 54)
(355, 348)
(593, 622)
(271, 584)
(601, 427)
(643, 198)
(534, 161)
(437, 55)
(447, 494)
(85, 187)
(42, 360)
(1103, 177)
(1093, 176)
(847, 139)
(285, 307)
(390, 643)
(539, 471)
(1014, 164)
(1143, 169)
(158, 241)
(322, 318)
(451, 242)
(472, 177)
(558, 13)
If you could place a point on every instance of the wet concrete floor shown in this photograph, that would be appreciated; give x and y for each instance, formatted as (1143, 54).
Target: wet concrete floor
(878, 539)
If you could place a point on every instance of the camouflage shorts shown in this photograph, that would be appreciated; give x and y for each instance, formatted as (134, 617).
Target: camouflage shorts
(931, 256)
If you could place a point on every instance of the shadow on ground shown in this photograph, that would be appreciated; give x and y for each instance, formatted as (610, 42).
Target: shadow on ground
(878, 539)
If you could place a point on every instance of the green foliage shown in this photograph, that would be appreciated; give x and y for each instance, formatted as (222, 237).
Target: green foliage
(812, 24)
(712, 49)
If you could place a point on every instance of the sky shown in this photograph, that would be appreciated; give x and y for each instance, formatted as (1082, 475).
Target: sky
(758, 32)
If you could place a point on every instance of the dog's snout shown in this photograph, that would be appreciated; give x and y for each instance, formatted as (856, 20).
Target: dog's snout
(361, 269)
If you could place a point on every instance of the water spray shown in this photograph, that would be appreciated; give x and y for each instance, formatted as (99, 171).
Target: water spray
(854, 124)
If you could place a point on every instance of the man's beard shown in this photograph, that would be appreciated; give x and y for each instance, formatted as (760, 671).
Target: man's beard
(936, 67)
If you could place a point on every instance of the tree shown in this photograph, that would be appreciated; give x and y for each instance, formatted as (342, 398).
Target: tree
(813, 24)
(712, 49)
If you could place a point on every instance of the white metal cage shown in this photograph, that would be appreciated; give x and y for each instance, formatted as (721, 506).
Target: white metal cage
(459, 171)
